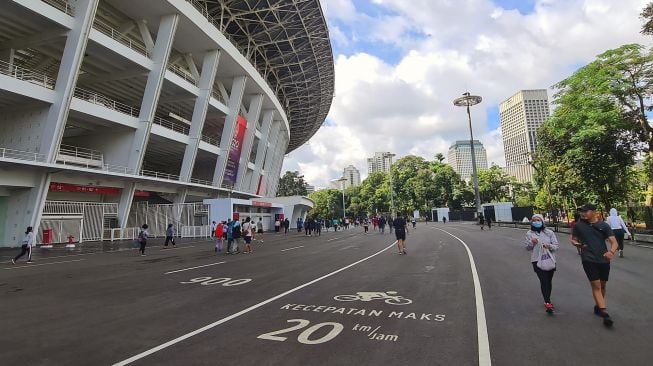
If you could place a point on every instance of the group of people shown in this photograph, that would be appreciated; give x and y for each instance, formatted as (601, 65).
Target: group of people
(233, 231)
(589, 235)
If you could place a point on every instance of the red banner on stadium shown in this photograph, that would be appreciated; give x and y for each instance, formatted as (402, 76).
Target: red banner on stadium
(233, 159)
(110, 191)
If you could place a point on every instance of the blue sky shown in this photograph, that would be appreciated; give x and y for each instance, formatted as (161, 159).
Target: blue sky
(399, 64)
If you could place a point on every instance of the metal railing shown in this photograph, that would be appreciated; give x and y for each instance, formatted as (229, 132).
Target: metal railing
(119, 37)
(203, 231)
(218, 96)
(210, 140)
(76, 208)
(182, 73)
(99, 99)
(80, 152)
(201, 181)
(177, 127)
(62, 5)
(21, 155)
(160, 175)
(24, 74)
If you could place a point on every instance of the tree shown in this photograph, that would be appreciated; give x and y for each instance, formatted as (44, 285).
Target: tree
(328, 203)
(619, 82)
(647, 17)
(291, 184)
(493, 185)
(439, 157)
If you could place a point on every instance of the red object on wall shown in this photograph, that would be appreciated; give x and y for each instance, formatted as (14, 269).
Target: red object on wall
(47, 236)
(236, 216)
(109, 191)
(261, 204)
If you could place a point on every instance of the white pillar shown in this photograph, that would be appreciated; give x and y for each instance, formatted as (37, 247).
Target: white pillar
(268, 118)
(177, 201)
(207, 78)
(267, 165)
(253, 114)
(160, 55)
(235, 100)
(71, 60)
(162, 48)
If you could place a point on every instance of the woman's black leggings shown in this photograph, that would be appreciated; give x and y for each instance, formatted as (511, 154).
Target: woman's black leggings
(24, 250)
(143, 244)
(546, 281)
(619, 235)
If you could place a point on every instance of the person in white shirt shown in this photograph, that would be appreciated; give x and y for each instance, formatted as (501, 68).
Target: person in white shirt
(26, 246)
(619, 228)
(248, 233)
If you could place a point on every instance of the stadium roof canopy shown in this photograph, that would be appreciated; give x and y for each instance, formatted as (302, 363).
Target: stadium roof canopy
(288, 42)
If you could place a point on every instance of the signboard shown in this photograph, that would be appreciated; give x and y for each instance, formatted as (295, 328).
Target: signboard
(235, 149)
(261, 204)
(110, 191)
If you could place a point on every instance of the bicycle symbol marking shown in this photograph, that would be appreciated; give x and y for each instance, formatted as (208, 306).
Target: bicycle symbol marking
(389, 297)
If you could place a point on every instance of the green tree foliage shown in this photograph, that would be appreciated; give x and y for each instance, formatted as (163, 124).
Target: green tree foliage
(647, 17)
(328, 203)
(493, 185)
(291, 184)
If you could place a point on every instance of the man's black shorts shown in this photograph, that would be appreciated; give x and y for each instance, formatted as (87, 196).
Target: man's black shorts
(597, 271)
(248, 239)
(400, 234)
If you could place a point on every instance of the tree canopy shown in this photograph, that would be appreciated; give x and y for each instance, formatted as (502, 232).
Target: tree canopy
(291, 184)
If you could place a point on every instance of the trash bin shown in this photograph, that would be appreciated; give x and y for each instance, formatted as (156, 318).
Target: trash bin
(47, 236)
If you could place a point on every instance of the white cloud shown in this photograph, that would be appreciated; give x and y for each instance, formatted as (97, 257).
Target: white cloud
(460, 45)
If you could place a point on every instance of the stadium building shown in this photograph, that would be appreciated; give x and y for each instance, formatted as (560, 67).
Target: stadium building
(120, 112)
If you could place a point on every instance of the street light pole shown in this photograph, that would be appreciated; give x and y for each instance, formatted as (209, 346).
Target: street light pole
(392, 187)
(343, 180)
(468, 100)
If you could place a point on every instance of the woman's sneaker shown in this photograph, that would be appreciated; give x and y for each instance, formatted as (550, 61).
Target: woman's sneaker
(549, 307)
(607, 321)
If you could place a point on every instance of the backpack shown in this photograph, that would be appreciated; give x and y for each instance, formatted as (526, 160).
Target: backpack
(236, 231)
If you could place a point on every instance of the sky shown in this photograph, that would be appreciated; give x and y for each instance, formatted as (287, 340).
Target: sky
(400, 64)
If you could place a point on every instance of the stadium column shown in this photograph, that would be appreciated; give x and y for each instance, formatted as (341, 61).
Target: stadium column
(280, 150)
(253, 114)
(268, 117)
(31, 208)
(269, 156)
(235, 100)
(162, 47)
(207, 78)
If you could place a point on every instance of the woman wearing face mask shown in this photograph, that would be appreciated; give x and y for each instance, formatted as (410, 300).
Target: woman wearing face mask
(539, 237)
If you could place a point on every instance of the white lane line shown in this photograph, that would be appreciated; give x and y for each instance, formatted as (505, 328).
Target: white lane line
(177, 248)
(43, 264)
(188, 269)
(483, 340)
(301, 246)
(245, 311)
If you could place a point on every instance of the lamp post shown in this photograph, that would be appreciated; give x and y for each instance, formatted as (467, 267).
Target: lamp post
(343, 180)
(468, 100)
(392, 187)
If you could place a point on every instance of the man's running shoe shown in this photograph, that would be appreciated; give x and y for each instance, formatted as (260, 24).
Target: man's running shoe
(13, 261)
(607, 321)
(549, 307)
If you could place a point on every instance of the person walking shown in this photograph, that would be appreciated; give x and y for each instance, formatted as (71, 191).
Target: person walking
(259, 226)
(591, 234)
(414, 222)
(573, 224)
(401, 228)
(489, 222)
(375, 222)
(327, 224)
(230, 236)
(248, 234)
(318, 227)
(237, 235)
(481, 221)
(214, 225)
(219, 237)
(170, 232)
(390, 224)
(366, 225)
(619, 228)
(277, 225)
(335, 225)
(542, 243)
(444, 219)
(299, 224)
(26, 246)
(382, 224)
(286, 226)
(142, 238)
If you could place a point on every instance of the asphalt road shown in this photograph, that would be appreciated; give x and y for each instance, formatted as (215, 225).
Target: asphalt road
(315, 301)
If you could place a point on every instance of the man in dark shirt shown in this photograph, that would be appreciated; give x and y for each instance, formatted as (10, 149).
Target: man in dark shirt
(400, 233)
(590, 235)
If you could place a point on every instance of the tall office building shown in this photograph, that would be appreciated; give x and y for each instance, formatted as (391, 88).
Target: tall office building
(352, 176)
(460, 157)
(521, 116)
(380, 162)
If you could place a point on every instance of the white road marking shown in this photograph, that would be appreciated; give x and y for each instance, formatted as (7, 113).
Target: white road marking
(301, 246)
(188, 269)
(483, 340)
(43, 264)
(184, 247)
(244, 311)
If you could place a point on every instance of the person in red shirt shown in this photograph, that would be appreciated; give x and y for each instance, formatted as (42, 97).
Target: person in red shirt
(219, 239)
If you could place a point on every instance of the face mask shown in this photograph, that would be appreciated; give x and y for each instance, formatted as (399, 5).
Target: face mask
(537, 224)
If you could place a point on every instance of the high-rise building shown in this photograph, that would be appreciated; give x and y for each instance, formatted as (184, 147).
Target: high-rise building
(352, 176)
(380, 162)
(521, 116)
(460, 157)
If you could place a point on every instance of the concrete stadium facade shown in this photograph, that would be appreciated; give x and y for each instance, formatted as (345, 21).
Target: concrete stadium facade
(107, 104)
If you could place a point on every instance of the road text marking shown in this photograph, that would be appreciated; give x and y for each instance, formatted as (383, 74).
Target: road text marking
(244, 311)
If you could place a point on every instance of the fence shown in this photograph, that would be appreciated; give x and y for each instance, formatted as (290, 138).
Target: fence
(62, 217)
(203, 231)
(157, 217)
